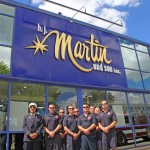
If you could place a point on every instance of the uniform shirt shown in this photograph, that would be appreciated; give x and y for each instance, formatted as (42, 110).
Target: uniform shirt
(71, 122)
(86, 122)
(105, 119)
(51, 121)
(32, 124)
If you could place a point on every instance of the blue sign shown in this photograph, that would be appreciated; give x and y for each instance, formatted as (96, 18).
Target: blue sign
(55, 50)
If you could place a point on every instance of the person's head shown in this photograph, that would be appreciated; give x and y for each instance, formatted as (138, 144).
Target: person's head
(76, 111)
(32, 108)
(92, 109)
(52, 108)
(104, 105)
(86, 108)
(61, 112)
(97, 110)
(70, 109)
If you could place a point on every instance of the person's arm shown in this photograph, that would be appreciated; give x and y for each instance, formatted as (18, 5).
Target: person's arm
(41, 126)
(93, 126)
(25, 128)
(112, 125)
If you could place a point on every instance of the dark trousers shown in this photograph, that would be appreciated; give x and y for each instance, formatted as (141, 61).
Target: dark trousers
(88, 142)
(32, 146)
(73, 144)
(53, 143)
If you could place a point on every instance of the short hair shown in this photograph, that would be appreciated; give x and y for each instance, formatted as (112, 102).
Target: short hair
(67, 108)
(86, 104)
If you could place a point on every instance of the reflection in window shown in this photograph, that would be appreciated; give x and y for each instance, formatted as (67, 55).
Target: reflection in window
(6, 30)
(146, 80)
(126, 43)
(144, 61)
(118, 102)
(129, 62)
(3, 104)
(5, 56)
(137, 107)
(62, 96)
(93, 97)
(21, 95)
(3, 138)
(147, 97)
(8, 10)
(134, 79)
(141, 48)
(142, 135)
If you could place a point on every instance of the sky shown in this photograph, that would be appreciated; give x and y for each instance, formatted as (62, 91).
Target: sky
(133, 14)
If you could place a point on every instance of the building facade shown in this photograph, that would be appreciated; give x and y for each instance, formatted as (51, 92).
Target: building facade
(47, 57)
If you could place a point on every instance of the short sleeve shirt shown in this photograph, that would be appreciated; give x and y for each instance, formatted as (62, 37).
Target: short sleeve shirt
(87, 121)
(105, 119)
(71, 122)
(51, 121)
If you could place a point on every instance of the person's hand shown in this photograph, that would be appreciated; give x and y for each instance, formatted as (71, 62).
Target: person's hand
(86, 131)
(62, 135)
(52, 134)
(75, 136)
(34, 135)
(106, 129)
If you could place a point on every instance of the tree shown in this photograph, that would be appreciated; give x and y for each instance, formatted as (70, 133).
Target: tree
(4, 69)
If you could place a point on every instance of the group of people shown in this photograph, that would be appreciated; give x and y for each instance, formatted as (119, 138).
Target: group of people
(92, 130)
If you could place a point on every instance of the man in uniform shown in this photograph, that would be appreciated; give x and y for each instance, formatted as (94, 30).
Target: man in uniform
(52, 126)
(70, 126)
(32, 125)
(87, 123)
(107, 121)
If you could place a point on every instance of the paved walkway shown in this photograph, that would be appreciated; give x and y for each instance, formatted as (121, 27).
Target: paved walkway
(137, 148)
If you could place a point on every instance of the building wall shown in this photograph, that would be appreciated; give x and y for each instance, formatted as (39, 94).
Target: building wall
(27, 75)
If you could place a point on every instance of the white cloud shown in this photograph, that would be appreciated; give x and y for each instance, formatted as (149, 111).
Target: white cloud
(37, 1)
(106, 9)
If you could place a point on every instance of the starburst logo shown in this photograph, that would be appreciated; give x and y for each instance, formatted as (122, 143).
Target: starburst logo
(38, 46)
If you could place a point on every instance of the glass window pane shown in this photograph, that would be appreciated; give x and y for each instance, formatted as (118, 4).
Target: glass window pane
(142, 134)
(126, 43)
(118, 102)
(6, 30)
(62, 96)
(144, 61)
(5, 56)
(141, 48)
(129, 58)
(3, 138)
(147, 97)
(21, 95)
(5, 9)
(93, 97)
(137, 107)
(134, 79)
(146, 80)
(3, 104)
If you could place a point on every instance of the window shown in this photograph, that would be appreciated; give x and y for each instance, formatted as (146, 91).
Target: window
(138, 110)
(5, 59)
(5, 9)
(62, 96)
(93, 97)
(141, 48)
(126, 43)
(118, 102)
(146, 80)
(21, 95)
(6, 30)
(3, 105)
(134, 79)
(144, 61)
(129, 62)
